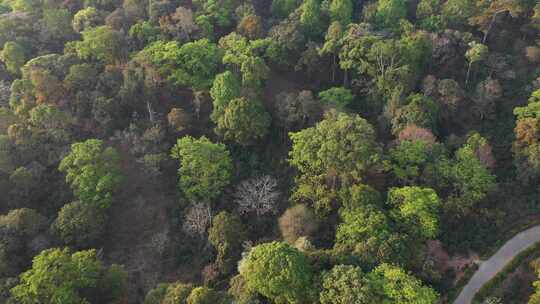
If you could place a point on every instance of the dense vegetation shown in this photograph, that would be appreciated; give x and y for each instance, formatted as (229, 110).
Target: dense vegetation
(262, 151)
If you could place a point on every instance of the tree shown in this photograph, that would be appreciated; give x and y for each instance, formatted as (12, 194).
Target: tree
(332, 44)
(205, 295)
(59, 276)
(338, 97)
(417, 209)
(175, 293)
(477, 52)
(526, 147)
(180, 25)
(297, 221)
(335, 153)
(390, 12)
(282, 8)
(257, 195)
(179, 120)
(144, 33)
(311, 18)
(225, 88)
(341, 11)
(191, 64)
(205, 167)
(243, 121)
(278, 272)
(93, 172)
(408, 160)
(396, 286)
(250, 27)
(197, 219)
(465, 178)
(346, 284)
(254, 72)
(535, 297)
(227, 234)
(414, 133)
(296, 110)
(79, 225)
(87, 18)
(24, 221)
(361, 224)
(14, 56)
(101, 43)
(58, 25)
(81, 77)
(419, 110)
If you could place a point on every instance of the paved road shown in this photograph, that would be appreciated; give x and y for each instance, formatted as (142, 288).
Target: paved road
(488, 269)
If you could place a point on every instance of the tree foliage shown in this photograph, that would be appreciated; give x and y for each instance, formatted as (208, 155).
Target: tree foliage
(205, 167)
(93, 172)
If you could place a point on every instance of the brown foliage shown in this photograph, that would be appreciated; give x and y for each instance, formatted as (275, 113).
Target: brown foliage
(296, 222)
(414, 133)
(251, 27)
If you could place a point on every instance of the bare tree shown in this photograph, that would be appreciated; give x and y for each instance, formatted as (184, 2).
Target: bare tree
(258, 195)
(197, 219)
(5, 93)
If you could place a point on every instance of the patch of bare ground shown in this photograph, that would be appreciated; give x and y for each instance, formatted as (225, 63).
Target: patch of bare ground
(458, 264)
(138, 230)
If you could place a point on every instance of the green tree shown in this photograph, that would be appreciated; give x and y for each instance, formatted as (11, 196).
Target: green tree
(335, 153)
(205, 295)
(14, 56)
(419, 110)
(93, 172)
(254, 72)
(526, 147)
(345, 284)
(205, 167)
(464, 178)
(390, 12)
(58, 23)
(191, 64)
(58, 276)
(101, 43)
(332, 44)
(279, 272)
(282, 8)
(311, 18)
(477, 52)
(362, 224)
(394, 285)
(225, 88)
(243, 121)
(417, 209)
(337, 97)
(341, 11)
(79, 224)
(144, 32)
(176, 293)
(409, 159)
(227, 234)
(87, 18)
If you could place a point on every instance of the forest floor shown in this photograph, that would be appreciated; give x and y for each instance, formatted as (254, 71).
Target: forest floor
(138, 228)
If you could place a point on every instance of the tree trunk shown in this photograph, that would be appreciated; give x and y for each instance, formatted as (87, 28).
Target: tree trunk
(150, 112)
(468, 74)
(334, 70)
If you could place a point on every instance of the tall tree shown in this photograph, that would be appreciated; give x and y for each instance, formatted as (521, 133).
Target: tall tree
(279, 272)
(417, 209)
(93, 172)
(59, 276)
(205, 168)
(243, 121)
(335, 153)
